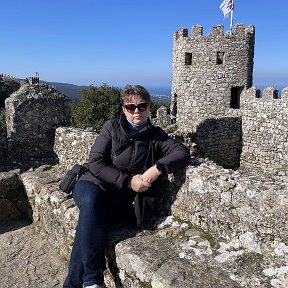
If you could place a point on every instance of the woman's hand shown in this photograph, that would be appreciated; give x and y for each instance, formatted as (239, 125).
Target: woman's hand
(150, 175)
(137, 185)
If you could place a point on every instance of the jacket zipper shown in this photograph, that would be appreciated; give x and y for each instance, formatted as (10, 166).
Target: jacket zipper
(132, 157)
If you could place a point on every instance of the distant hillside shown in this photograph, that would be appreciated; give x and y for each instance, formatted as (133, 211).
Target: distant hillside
(73, 91)
(160, 98)
(70, 90)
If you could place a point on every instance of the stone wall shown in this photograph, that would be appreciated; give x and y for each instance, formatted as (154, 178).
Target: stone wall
(224, 221)
(32, 115)
(265, 131)
(229, 203)
(230, 222)
(73, 145)
(220, 140)
(222, 201)
(221, 219)
(54, 212)
(162, 118)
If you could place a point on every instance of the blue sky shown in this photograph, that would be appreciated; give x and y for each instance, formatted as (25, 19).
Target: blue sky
(123, 42)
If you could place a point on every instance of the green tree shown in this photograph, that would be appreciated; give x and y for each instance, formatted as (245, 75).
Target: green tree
(96, 105)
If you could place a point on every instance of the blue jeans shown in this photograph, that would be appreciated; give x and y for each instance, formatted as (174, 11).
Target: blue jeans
(87, 260)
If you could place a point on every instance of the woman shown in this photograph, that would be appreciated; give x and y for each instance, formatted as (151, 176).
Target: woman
(127, 157)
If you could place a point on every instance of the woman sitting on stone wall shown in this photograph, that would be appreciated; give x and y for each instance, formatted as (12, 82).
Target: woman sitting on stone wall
(127, 157)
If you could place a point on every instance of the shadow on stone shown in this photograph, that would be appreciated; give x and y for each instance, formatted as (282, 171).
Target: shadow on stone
(14, 203)
(13, 225)
(168, 188)
(220, 140)
(167, 191)
(117, 233)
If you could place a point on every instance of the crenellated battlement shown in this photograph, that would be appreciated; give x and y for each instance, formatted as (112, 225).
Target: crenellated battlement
(33, 80)
(217, 30)
(240, 31)
(6, 76)
(197, 30)
(181, 33)
(269, 94)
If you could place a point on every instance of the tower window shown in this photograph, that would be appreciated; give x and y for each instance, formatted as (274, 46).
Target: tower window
(188, 58)
(220, 58)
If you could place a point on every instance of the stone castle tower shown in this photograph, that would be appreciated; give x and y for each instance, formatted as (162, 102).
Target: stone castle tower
(230, 121)
(210, 72)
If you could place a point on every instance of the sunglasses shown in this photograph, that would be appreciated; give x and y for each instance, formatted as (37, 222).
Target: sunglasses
(132, 107)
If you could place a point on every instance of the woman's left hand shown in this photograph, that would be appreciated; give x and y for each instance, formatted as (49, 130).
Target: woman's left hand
(151, 174)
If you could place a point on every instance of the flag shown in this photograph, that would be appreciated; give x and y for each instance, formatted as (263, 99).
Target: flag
(226, 7)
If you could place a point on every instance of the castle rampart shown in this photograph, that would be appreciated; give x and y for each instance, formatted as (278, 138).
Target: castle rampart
(269, 93)
(220, 217)
(33, 80)
(265, 131)
(6, 76)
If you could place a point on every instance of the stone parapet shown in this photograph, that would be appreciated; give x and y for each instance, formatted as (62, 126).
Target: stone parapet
(54, 213)
(265, 131)
(225, 224)
(228, 203)
(72, 145)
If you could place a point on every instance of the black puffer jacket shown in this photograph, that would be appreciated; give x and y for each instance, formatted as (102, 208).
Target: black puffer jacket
(114, 157)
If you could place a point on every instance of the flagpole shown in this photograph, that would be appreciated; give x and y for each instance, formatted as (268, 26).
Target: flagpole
(231, 17)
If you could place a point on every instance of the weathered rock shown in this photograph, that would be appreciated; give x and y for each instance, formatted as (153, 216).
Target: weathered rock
(35, 131)
(228, 203)
(54, 213)
(177, 254)
(162, 118)
(73, 145)
(224, 231)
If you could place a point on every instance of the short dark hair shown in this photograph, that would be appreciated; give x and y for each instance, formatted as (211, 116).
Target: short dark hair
(131, 90)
